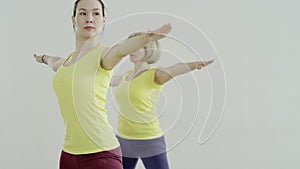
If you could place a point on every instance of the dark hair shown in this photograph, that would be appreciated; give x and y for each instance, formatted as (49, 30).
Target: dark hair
(77, 1)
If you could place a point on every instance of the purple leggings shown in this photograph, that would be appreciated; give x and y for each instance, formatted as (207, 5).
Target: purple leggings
(159, 161)
(102, 160)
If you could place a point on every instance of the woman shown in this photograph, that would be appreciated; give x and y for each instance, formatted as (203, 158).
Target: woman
(81, 82)
(137, 94)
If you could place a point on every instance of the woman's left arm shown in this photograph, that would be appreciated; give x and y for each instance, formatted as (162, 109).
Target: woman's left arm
(113, 55)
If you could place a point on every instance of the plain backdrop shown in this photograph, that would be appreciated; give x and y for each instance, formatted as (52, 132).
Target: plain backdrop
(253, 82)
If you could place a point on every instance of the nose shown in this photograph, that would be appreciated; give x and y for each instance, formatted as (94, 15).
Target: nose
(89, 19)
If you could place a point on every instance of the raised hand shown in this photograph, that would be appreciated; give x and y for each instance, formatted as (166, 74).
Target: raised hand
(160, 32)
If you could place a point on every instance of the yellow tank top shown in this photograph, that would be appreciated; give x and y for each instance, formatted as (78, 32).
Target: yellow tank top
(137, 100)
(81, 90)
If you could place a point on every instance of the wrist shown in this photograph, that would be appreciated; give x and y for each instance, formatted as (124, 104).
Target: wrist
(43, 59)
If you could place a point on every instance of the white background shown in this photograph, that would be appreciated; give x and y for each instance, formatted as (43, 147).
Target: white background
(257, 43)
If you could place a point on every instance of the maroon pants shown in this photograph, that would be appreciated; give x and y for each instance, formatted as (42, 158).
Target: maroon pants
(102, 160)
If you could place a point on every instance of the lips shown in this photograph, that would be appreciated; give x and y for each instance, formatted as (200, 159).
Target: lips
(89, 27)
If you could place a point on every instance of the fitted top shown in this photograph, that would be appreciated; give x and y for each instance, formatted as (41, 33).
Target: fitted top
(81, 90)
(137, 100)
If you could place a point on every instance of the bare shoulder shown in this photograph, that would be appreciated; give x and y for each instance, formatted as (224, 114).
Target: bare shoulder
(108, 60)
(58, 63)
(105, 51)
(161, 71)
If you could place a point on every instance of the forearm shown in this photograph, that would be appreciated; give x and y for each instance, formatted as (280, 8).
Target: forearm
(181, 68)
(52, 61)
(113, 55)
(133, 44)
(117, 52)
(165, 74)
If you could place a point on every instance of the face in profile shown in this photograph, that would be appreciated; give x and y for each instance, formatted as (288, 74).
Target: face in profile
(138, 55)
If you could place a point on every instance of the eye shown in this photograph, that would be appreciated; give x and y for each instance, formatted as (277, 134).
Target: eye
(82, 13)
(97, 13)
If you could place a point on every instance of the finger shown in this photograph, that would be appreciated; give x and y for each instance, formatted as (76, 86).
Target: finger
(163, 29)
(206, 63)
(39, 58)
(168, 28)
(199, 67)
(209, 62)
(167, 25)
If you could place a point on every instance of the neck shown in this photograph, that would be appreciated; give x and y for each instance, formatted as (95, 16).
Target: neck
(86, 44)
(140, 66)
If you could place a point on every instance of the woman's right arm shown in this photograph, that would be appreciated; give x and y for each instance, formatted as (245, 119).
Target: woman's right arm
(53, 62)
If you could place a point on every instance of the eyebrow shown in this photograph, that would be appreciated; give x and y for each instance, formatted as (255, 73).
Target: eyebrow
(95, 9)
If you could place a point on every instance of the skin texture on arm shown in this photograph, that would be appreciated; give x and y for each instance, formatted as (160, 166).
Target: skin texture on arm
(53, 62)
(163, 75)
(113, 55)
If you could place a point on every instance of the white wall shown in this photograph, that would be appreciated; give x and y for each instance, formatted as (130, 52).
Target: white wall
(256, 44)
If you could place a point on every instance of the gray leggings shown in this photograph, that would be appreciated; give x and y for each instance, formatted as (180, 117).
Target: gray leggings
(152, 153)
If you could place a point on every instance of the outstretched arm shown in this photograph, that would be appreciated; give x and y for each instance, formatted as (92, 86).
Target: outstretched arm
(113, 55)
(53, 62)
(162, 75)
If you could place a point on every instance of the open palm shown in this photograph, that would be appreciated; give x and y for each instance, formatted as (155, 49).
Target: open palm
(160, 32)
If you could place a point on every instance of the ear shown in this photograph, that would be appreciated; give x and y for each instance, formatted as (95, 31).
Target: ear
(104, 19)
(73, 20)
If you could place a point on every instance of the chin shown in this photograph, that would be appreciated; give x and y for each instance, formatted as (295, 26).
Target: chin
(89, 35)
